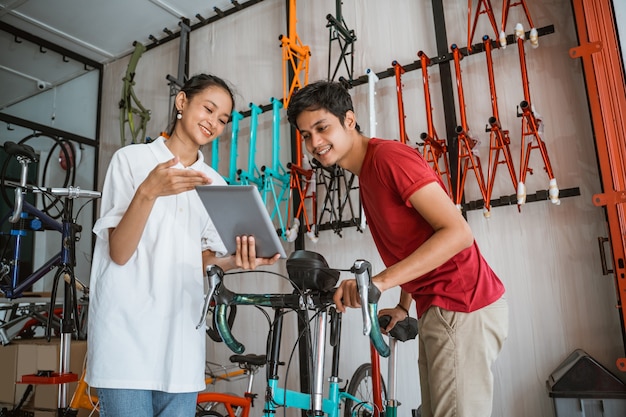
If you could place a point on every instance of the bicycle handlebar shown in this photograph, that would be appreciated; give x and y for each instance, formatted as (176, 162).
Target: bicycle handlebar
(25, 154)
(223, 297)
(71, 192)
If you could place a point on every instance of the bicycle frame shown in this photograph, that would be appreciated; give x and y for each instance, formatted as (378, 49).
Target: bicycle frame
(398, 71)
(466, 157)
(234, 140)
(296, 57)
(499, 140)
(276, 175)
(435, 149)
(531, 136)
(280, 397)
(483, 7)
(506, 5)
(64, 258)
(345, 37)
(252, 175)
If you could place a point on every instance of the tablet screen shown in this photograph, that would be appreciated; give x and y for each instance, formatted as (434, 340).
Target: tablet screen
(238, 210)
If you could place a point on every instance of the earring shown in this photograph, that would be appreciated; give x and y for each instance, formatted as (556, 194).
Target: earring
(179, 114)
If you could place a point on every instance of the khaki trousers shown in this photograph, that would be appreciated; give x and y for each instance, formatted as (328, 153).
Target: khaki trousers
(456, 352)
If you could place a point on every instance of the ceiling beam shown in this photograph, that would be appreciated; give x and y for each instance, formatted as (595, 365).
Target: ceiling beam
(19, 33)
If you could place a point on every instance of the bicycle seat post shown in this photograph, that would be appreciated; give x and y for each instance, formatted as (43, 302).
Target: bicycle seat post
(20, 191)
(318, 366)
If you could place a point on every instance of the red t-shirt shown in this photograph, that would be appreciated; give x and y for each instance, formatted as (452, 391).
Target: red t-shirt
(391, 173)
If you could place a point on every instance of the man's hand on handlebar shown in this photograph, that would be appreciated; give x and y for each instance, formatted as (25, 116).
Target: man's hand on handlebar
(347, 295)
(396, 315)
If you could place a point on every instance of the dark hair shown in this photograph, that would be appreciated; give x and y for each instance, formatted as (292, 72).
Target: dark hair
(197, 84)
(320, 95)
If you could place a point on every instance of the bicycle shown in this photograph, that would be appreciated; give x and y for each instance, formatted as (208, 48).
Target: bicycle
(24, 218)
(314, 285)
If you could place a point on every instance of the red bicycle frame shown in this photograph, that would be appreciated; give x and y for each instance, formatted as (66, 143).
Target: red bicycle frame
(434, 148)
(531, 131)
(466, 157)
(506, 5)
(301, 179)
(399, 70)
(487, 10)
(499, 140)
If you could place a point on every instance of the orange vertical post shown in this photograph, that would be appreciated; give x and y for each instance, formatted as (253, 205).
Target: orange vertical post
(606, 91)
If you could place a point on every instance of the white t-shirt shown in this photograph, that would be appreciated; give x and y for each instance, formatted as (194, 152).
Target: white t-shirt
(143, 315)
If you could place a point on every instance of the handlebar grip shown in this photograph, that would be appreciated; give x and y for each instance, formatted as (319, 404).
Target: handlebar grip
(224, 329)
(376, 336)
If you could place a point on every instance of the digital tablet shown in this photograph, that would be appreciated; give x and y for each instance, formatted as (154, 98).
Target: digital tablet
(238, 210)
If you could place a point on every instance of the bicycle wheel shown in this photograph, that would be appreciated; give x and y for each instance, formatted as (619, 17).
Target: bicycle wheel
(361, 387)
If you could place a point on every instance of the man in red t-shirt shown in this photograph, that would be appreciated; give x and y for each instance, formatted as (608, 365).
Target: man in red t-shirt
(428, 249)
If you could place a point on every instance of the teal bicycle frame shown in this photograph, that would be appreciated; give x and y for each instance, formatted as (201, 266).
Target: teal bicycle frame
(252, 175)
(234, 143)
(277, 180)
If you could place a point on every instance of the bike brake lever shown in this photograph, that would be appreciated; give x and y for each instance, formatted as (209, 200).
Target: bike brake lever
(362, 272)
(214, 277)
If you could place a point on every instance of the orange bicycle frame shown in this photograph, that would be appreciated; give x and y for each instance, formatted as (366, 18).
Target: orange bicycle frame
(530, 130)
(295, 56)
(487, 10)
(434, 148)
(499, 141)
(466, 157)
(399, 70)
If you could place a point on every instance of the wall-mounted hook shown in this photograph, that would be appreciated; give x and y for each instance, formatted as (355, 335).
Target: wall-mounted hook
(9, 127)
(169, 32)
(42, 50)
(218, 11)
(153, 39)
(236, 4)
(65, 59)
(16, 39)
(200, 18)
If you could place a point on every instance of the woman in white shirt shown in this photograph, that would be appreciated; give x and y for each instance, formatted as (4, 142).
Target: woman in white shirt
(154, 240)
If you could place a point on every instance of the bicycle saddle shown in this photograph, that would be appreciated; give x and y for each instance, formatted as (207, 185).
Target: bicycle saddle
(403, 330)
(309, 271)
(21, 149)
(250, 359)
